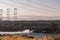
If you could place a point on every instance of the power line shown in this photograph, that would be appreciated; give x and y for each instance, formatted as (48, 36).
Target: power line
(26, 8)
(43, 5)
(33, 7)
(37, 8)
(21, 7)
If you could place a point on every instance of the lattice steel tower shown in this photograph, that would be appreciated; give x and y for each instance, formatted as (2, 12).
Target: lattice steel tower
(8, 14)
(15, 14)
(1, 13)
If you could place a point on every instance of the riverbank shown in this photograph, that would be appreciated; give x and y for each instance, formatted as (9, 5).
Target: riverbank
(22, 38)
(13, 37)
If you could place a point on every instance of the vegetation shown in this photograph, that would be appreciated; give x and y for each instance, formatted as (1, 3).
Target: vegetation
(37, 26)
(53, 28)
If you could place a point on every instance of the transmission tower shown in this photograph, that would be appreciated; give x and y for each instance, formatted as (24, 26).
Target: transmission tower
(8, 14)
(15, 14)
(1, 13)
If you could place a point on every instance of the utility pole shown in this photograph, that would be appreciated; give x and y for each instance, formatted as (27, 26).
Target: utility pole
(15, 14)
(8, 14)
(1, 13)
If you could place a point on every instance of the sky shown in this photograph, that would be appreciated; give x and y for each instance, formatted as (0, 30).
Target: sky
(32, 9)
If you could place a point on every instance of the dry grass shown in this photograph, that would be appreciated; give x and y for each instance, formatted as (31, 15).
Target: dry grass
(20, 38)
(55, 37)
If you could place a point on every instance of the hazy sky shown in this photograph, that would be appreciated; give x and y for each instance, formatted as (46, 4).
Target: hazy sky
(32, 7)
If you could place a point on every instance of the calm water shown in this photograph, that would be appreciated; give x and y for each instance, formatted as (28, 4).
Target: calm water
(37, 35)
